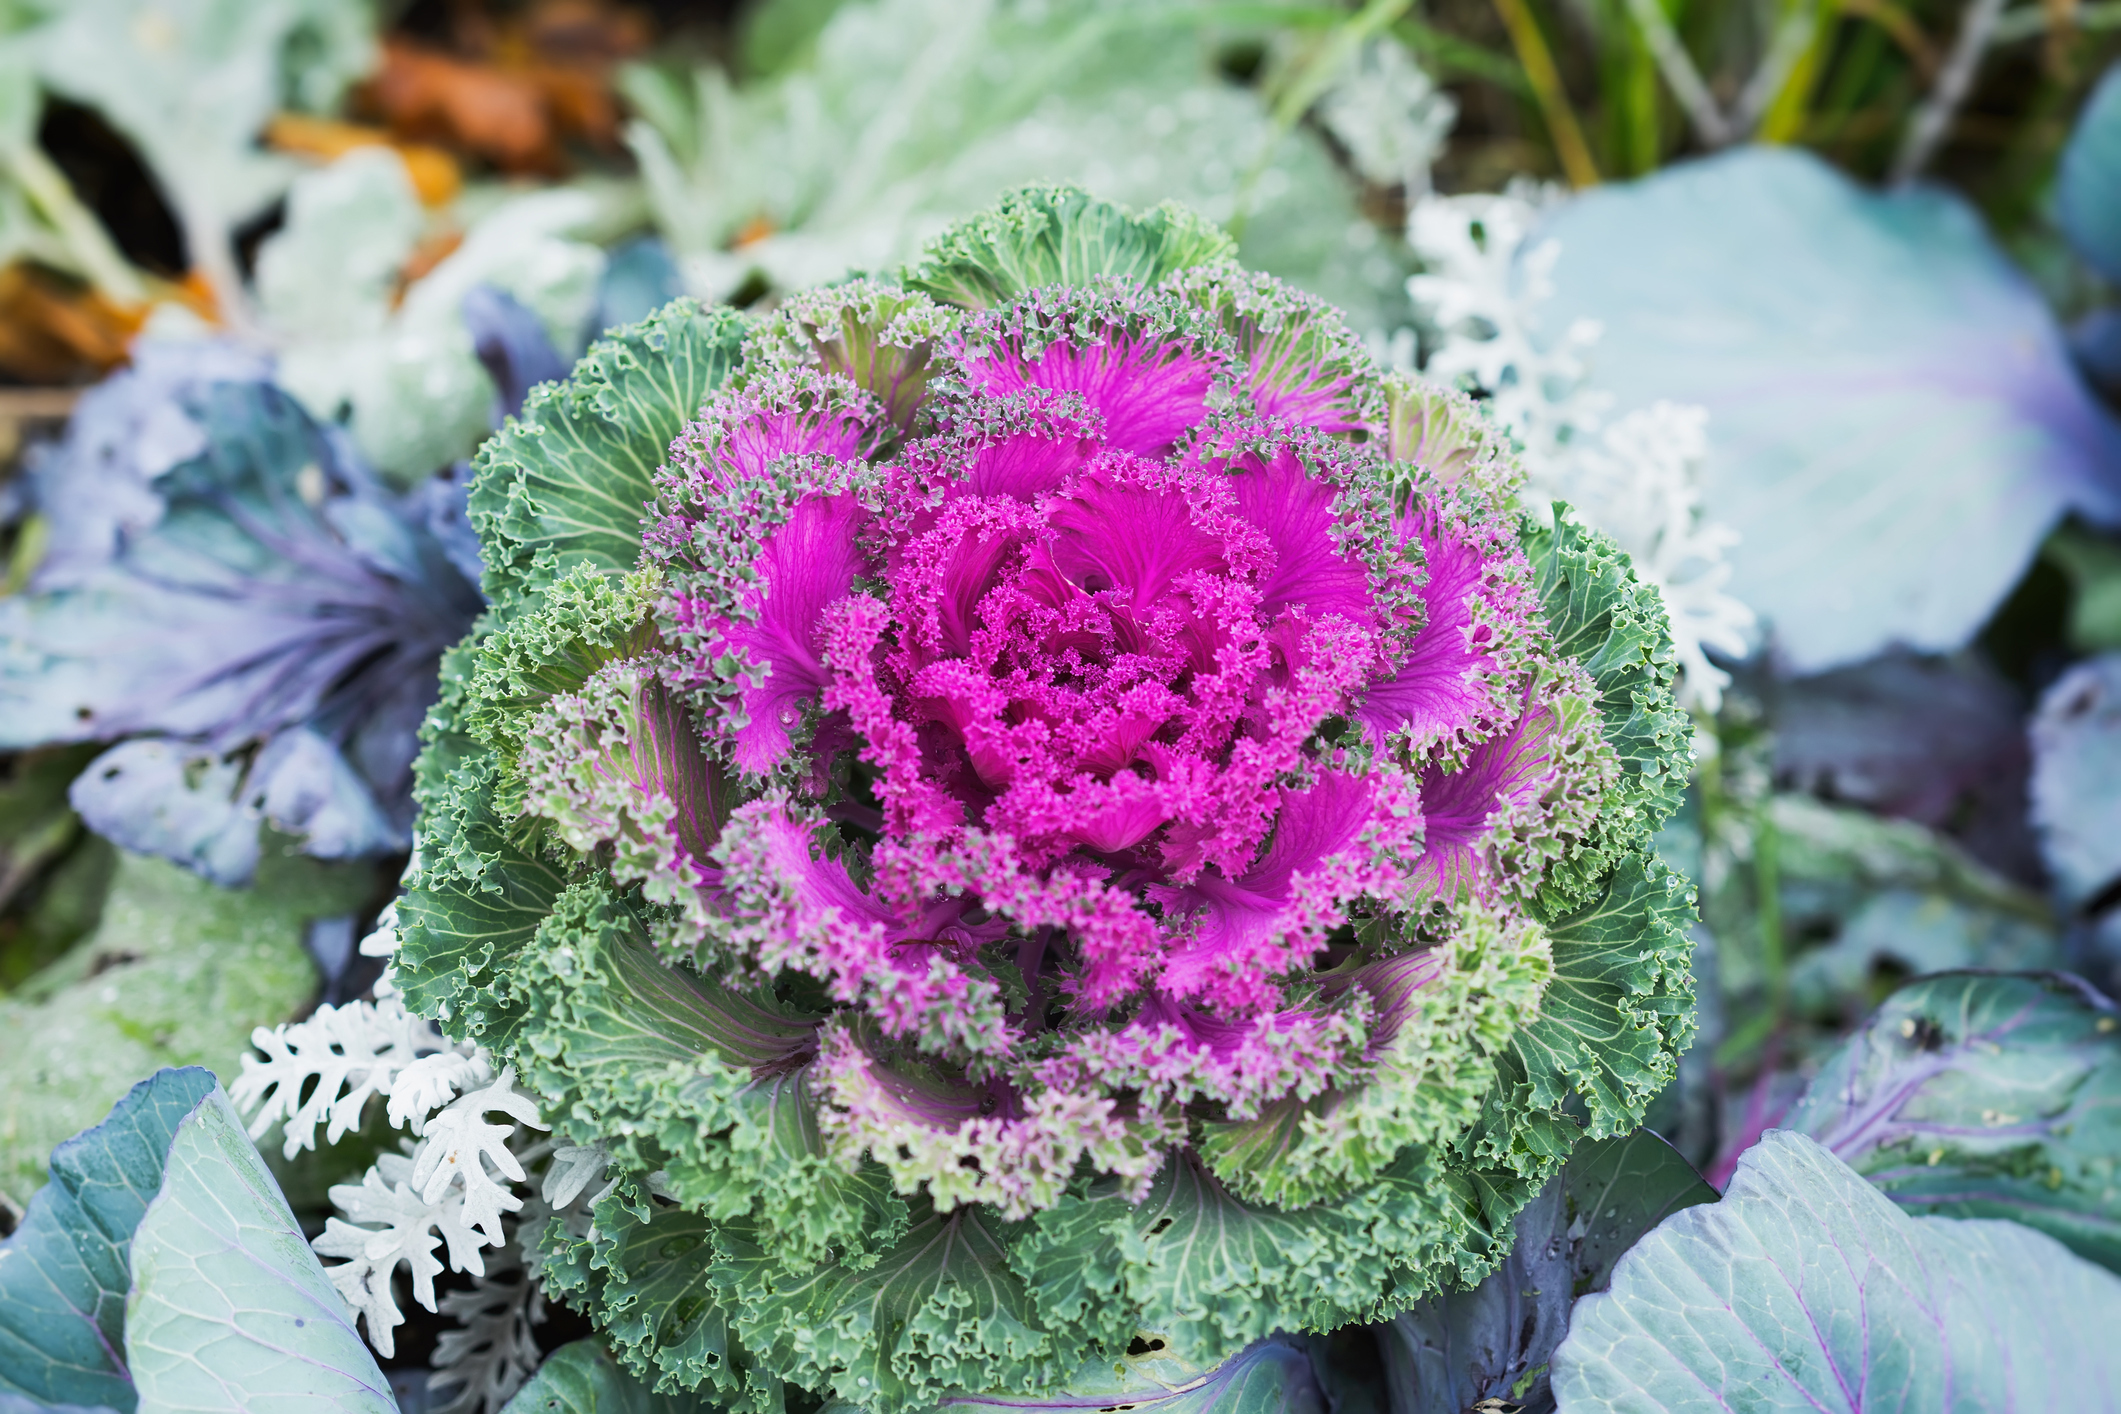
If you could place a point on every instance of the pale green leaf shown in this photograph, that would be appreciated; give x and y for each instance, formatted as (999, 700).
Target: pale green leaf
(565, 483)
(230, 1310)
(1807, 1289)
(178, 972)
(1981, 1095)
(65, 1271)
(1060, 236)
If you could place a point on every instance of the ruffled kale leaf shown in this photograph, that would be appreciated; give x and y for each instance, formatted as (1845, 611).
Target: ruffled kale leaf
(1807, 1288)
(1984, 1095)
(1060, 236)
(1619, 1010)
(1616, 1015)
(476, 899)
(582, 1378)
(1606, 618)
(566, 482)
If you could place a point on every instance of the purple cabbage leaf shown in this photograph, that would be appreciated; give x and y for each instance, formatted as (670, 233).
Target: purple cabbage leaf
(1941, 742)
(1984, 1095)
(2076, 784)
(1457, 1348)
(243, 610)
(1806, 1288)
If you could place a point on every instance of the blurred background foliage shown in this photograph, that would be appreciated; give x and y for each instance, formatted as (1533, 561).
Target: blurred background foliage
(1886, 788)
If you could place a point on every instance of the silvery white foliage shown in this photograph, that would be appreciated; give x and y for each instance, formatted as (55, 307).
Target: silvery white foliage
(450, 1189)
(433, 1081)
(1482, 291)
(573, 1169)
(462, 1150)
(493, 1350)
(1636, 478)
(445, 1190)
(351, 1053)
(386, 1222)
(1389, 115)
(1640, 482)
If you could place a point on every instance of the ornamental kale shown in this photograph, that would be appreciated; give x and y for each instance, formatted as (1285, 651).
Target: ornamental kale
(1080, 814)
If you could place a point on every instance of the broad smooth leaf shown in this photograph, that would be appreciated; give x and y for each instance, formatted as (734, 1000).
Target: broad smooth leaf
(1454, 1349)
(1806, 1289)
(1894, 422)
(2077, 777)
(64, 1272)
(2088, 182)
(1980, 1095)
(230, 1310)
(22, 1404)
(581, 1378)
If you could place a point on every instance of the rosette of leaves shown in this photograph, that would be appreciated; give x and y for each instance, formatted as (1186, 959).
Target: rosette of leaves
(1079, 820)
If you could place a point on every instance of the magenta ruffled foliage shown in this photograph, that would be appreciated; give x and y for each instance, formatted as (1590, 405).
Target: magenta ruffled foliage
(1088, 701)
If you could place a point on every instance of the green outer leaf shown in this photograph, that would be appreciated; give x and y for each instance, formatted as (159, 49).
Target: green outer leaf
(64, 1272)
(581, 1378)
(657, 1304)
(658, 1064)
(940, 1311)
(178, 972)
(1983, 1095)
(1049, 235)
(477, 892)
(1607, 619)
(1610, 1027)
(678, 1073)
(565, 482)
(1621, 1188)
(1807, 1289)
(1208, 1273)
(1457, 1348)
(575, 626)
(230, 1310)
